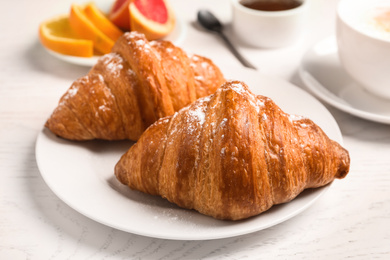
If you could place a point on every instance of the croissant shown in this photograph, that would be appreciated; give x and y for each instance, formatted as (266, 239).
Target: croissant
(231, 155)
(130, 88)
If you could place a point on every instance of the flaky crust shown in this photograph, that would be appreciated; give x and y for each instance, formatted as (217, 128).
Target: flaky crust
(130, 88)
(232, 155)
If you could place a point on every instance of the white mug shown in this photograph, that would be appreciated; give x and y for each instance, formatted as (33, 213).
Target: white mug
(268, 29)
(364, 46)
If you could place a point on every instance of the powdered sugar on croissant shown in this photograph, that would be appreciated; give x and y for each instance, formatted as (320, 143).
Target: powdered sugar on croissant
(232, 155)
(132, 87)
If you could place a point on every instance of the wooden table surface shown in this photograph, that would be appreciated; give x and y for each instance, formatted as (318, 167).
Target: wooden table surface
(351, 220)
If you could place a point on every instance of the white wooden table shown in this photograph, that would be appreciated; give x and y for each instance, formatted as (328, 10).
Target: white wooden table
(352, 220)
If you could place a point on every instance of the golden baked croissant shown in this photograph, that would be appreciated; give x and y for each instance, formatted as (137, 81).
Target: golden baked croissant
(231, 155)
(130, 88)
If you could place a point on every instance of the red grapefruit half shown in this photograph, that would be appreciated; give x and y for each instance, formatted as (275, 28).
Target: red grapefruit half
(154, 18)
(119, 14)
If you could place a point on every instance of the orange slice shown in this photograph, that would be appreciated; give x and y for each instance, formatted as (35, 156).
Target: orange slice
(119, 14)
(57, 35)
(102, 22)
(154, 18)
(84, 28)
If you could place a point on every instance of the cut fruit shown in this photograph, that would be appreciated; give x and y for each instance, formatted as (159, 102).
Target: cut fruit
(154, 10)
(119, 14)
(102, 22)
(57, 35)
(84, 28)
(154, 18)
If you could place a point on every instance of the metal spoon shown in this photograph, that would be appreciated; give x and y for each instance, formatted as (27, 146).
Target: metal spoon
(211, 23)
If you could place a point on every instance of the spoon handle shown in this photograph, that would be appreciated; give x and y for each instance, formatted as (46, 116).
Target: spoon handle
(235, 52)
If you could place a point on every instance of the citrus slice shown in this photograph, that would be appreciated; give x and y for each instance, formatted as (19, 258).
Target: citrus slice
(57, 35)
(102, 22)
(154, 18)
(119, 14)
(84, 28)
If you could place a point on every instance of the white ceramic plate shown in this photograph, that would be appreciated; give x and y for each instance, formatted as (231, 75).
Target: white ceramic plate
(324, 76)
(176, 37)
(82, 175)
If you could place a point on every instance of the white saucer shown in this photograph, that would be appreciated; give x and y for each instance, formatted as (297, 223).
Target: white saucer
(324, 76)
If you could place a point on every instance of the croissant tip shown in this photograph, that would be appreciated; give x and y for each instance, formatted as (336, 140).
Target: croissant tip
(344, 167)
(120, 174)
(343, 160)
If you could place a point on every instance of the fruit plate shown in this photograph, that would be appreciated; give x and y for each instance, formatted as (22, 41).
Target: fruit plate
(82, 175)
(176, 37)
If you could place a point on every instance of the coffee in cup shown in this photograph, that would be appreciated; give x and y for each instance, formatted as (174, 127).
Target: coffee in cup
(269, 23)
